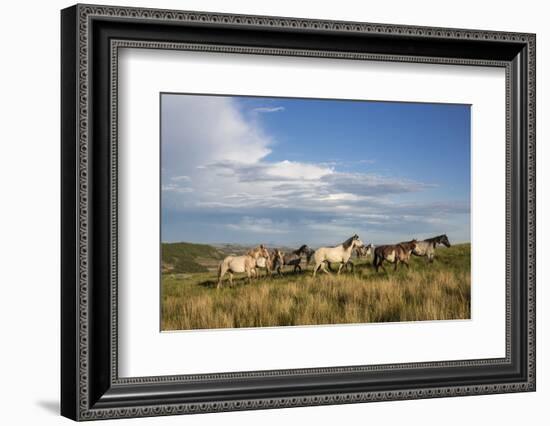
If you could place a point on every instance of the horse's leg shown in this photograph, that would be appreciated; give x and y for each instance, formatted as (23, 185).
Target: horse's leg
(315, 268)
(351, 265)
(340, 268)
(230, 279)
(298, 268)
(324, 268)
(395, 265)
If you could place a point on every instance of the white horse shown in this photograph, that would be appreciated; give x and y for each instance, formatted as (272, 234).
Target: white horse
(238, 264)
(339, 254)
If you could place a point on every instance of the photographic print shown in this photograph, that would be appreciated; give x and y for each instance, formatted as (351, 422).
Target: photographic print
(295, 212)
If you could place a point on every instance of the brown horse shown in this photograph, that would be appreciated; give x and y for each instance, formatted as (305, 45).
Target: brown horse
(396, 253)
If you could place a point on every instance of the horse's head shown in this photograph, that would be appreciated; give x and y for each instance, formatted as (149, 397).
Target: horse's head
(263, 252)
(259, 251)
(351, 242)
(444, 240)
(357, 242)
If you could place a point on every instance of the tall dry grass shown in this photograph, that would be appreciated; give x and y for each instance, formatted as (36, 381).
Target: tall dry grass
(425, 292)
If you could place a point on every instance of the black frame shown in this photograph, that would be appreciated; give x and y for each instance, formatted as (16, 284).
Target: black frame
(90, 387)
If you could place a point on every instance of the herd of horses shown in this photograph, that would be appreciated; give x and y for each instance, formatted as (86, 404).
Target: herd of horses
(273, 261)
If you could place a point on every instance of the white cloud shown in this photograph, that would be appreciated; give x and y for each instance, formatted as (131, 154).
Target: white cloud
(278, 171)
(260, 225)
(198, 130)
(340, 197)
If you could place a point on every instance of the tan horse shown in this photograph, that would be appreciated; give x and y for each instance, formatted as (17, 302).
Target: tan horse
(396, 253)
(263, 259)
(239, 264)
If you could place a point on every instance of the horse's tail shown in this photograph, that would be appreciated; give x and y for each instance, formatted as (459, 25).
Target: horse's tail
(220, 270)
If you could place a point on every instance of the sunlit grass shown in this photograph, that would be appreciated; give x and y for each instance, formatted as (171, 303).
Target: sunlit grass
(440, 291)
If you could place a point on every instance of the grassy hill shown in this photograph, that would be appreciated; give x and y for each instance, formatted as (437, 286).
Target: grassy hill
(178, 258)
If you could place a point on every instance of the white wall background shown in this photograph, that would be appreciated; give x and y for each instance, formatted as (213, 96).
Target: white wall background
(29, 214)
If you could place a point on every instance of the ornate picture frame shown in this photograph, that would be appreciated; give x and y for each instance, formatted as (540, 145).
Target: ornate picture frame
(91, 37)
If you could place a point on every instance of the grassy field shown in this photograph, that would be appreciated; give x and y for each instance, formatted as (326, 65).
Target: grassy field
(440, 291)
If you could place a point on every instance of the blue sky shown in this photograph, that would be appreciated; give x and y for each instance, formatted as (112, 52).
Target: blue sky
(290, 171)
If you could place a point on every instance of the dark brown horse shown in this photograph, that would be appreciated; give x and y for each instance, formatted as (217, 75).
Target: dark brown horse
(395, 253)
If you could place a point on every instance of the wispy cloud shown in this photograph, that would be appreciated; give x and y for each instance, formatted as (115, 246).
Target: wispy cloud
(183, 178)
(268, 109)
(171, 187)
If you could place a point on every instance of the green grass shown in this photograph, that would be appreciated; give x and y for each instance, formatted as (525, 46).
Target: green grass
(438, 291)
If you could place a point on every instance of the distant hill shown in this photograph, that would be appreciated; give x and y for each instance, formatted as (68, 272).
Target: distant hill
(180, 258)
(230, 249)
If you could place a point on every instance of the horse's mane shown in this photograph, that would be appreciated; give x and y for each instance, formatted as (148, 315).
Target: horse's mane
(346, 244)
(435, 239)
(407, 244)
(300, 250)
